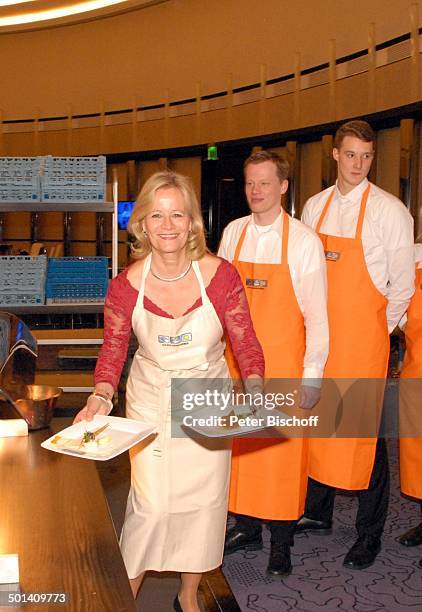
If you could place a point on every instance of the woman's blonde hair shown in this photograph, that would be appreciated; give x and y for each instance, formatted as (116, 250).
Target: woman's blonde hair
(141, 247)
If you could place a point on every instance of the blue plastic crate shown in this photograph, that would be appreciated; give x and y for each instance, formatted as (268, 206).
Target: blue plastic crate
(76, 280)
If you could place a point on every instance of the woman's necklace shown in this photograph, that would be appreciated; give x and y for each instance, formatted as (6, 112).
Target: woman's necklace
(175, 278)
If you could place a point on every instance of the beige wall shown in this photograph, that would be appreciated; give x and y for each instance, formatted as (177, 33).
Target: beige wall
(136, 57)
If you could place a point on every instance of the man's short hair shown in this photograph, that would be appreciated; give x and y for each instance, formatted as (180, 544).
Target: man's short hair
(281, 164)
(358, 129)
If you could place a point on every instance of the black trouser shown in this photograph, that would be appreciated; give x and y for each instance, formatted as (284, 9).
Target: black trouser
(373, 502)
(282, 532)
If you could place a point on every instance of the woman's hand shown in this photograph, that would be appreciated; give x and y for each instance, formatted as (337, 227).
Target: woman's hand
(93, 406)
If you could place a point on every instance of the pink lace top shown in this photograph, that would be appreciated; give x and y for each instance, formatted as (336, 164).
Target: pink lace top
(228, 298)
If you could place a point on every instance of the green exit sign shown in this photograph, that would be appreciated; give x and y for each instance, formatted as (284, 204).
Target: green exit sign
(212, 151)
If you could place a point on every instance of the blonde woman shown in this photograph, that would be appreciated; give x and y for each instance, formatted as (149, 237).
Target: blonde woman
(177, 504)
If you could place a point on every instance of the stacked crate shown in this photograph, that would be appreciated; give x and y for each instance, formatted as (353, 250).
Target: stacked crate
(74, 179)
(81, 280)
(20, 179)
(22, 280)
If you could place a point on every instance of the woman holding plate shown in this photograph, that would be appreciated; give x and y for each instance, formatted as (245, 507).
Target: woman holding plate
(177, 505)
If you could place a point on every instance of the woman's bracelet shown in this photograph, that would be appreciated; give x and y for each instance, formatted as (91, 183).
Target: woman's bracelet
(104, 398)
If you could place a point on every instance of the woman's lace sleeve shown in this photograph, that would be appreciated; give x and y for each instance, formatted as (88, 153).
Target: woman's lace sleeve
(118, 308)
(238, 323)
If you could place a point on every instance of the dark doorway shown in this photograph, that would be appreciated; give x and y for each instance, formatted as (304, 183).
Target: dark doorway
(223, 198)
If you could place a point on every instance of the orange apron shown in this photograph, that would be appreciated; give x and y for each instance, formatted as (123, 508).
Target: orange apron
(359, 349)
(269, 476)
(411, 397)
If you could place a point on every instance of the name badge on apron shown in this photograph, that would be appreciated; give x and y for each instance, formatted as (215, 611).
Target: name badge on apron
(256, 283)
(184, 338)
(332, 255)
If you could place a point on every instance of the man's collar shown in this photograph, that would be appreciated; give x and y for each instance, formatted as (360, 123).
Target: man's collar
(276, 225)
(355, 195)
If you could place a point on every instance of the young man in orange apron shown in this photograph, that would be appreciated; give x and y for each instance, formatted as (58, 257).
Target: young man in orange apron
(281, 263)
(367, 236)
(410, 405)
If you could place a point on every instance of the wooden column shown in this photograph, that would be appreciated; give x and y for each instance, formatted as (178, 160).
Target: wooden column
(36, 133)
(372, 64)
(262, 98)
(329, 167)
(67, 217)
(2, 215)
(409, 166)
(333, 79)
(296, 111)
(198, 112)
(167, 117)
(292, 154)
(415, 52)
(102, 146)
(1, 133)
(163, 163)
(135, 126)
(229, 110)
(69, 131)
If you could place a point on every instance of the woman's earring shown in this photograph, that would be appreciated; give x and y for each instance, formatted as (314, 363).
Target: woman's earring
(144, 233)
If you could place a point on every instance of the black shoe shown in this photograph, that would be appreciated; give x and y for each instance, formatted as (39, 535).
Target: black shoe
(236, 539)
(313, 526)
(363, 553)
(413, 537)
(176, 604)
(279, 564)
(420, 562)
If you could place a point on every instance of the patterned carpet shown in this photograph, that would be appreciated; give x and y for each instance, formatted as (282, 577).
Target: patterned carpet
(392, 584)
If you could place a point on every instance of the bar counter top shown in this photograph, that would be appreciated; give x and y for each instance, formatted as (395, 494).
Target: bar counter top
(54, 515)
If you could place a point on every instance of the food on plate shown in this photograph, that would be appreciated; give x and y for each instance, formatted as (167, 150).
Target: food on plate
(90, 440)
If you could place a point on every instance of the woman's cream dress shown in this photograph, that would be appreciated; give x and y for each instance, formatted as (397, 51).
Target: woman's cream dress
(177, 505)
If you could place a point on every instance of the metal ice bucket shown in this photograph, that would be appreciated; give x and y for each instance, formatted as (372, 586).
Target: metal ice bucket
(19, 397)
(36, 405)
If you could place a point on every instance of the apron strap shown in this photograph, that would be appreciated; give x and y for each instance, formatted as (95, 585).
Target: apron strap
(285, 239)
(239, 244)
(204, 296)
(145, 270)
(325, 210)
(362, 210)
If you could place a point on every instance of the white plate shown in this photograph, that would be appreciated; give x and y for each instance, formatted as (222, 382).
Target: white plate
(124, 434)
(217, 431)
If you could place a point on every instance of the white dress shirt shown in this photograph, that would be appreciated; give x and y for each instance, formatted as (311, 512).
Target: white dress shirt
(387, 239)
(262, 244)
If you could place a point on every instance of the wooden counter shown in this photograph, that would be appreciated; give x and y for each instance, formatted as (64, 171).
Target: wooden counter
(54, 514)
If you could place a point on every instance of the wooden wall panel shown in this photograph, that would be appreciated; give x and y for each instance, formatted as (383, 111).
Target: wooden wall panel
(278, 113)
(54, 142)
(189, 166)
(83, 226)
(394, 85)
(310, 171)
(17, 225)
(147, 169)
(388, 160)
(50, 226)
(314, 106)
(216, 126)
(352, 96)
